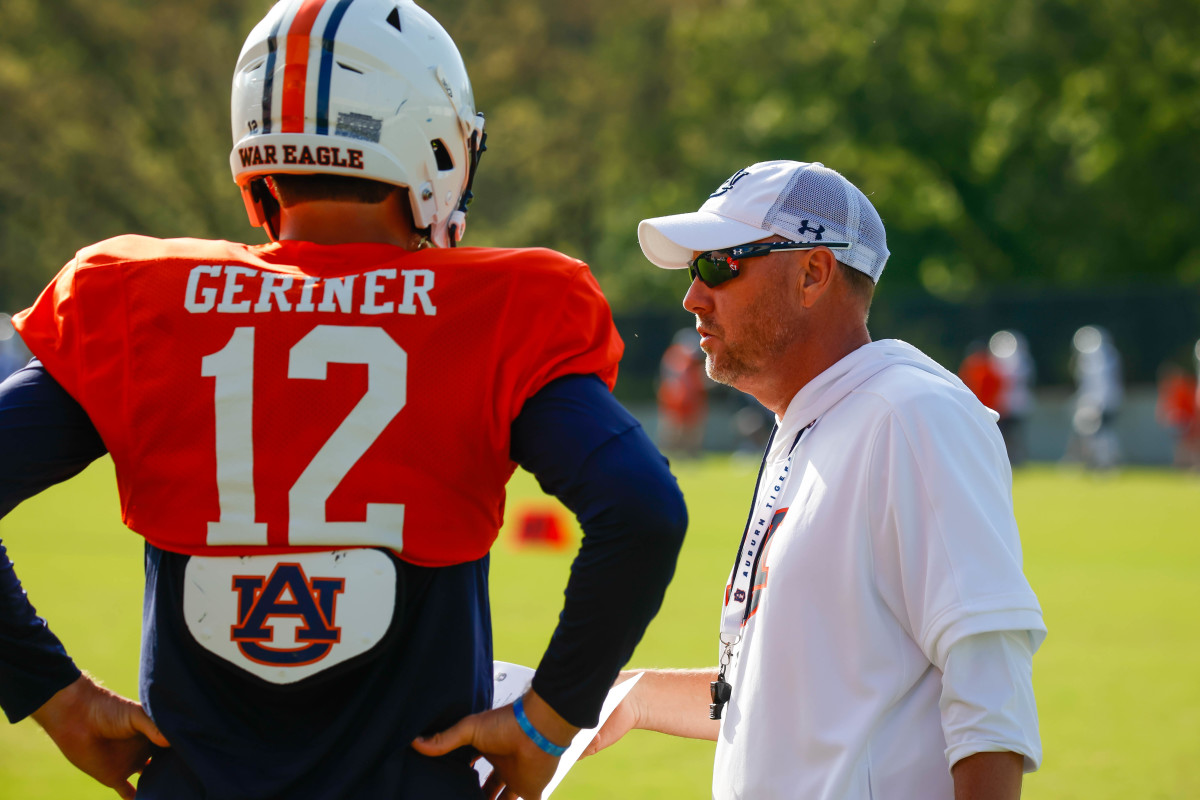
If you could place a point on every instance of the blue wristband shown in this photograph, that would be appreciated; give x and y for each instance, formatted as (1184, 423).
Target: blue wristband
(545, 744)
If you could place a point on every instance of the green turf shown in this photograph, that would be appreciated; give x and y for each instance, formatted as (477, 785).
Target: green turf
(1114, 559)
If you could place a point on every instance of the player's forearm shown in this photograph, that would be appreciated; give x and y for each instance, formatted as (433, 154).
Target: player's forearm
(674, 701)
(45, 437)
(33, 664)
(591, 453)
(547, 721)
(633, 527)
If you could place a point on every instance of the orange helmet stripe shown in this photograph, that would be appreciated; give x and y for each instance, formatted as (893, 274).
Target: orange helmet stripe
(295, 72)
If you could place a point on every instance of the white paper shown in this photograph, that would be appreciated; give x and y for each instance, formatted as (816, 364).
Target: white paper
(584, 737)
(510, 681)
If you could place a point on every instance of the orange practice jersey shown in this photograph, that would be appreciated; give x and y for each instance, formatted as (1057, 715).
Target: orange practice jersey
(298, 396)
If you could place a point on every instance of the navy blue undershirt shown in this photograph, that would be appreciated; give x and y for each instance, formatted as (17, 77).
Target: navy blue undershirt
(579, 442)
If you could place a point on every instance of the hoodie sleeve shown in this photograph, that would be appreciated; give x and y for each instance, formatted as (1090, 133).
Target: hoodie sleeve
(948, 554)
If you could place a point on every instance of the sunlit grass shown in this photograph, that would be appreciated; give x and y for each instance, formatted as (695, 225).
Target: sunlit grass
(1114, 559)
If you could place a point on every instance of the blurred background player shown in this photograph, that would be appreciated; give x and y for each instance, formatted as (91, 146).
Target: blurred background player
(981, 373)
(1010, 354)
(1196, 372)
(314, 435)
(682, 395)
(1099, 391)
(13, 353)
(1176, 410)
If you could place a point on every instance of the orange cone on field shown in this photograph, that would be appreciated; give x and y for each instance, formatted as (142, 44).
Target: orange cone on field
(543, 525)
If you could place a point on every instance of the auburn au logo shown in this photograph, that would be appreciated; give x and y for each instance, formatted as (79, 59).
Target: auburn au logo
(287, 593)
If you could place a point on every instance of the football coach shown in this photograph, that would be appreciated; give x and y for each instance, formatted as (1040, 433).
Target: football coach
(877, 630)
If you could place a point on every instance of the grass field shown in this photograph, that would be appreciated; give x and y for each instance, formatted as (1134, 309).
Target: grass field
(1114, 559)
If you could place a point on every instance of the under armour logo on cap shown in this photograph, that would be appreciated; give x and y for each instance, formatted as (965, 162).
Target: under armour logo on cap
(817, 231)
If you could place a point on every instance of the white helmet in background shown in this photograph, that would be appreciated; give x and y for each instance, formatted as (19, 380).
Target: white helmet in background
(372, 89)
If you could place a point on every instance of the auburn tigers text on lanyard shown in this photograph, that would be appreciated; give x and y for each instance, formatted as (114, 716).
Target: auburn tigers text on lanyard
(738, 604)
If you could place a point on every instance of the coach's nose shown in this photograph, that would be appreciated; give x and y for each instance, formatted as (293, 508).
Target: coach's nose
(698, 298)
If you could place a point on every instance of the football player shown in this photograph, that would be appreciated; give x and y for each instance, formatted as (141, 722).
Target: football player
(313, 436)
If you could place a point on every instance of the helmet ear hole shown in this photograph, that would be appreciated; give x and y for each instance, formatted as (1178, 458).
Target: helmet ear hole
(393, 19)
(442, 155)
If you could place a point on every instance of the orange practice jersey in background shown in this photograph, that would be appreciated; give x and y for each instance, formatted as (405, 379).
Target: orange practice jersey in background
(298, 396)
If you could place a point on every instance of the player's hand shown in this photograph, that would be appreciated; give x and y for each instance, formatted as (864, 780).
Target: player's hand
(107, 736)
(521, 768)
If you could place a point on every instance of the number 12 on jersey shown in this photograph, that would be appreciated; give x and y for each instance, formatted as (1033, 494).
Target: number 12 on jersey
(233, 368)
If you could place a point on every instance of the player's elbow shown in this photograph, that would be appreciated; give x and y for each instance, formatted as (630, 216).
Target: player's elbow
(649, 506)
(661, 532)
(669, 518)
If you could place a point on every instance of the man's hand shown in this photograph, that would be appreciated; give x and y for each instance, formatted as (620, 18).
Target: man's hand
(105, 735)
(624, 718)
(522, 769)
(673, 701)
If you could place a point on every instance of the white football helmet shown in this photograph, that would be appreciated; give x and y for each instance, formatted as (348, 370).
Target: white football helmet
(368, 88)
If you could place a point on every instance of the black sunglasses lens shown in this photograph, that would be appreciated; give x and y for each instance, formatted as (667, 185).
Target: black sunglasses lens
(712, 271)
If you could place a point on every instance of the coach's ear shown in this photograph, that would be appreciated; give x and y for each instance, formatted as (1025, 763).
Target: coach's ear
(816, 274)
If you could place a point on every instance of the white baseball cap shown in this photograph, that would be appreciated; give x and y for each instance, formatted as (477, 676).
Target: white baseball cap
(798, 200)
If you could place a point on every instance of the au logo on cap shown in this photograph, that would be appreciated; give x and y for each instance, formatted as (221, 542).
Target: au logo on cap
(727, 185)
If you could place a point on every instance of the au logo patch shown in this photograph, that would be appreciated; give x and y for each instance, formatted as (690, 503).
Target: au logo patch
(286, 617)
(287, 593)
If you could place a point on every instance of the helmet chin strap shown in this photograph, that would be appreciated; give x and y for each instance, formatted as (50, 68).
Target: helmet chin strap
(458, 218)
(262, 206)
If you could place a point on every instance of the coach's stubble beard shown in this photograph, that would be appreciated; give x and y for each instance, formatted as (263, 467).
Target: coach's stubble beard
(756, 344)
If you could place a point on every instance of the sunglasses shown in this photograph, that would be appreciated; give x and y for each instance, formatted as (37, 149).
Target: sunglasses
(717, 266)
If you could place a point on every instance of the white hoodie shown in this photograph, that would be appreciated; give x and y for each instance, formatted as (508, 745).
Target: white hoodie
(898, 542)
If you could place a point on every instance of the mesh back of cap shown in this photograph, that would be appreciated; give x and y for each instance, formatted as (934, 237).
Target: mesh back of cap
(822, 206)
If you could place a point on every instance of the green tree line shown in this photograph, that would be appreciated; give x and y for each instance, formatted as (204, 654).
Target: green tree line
(1031, 143)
